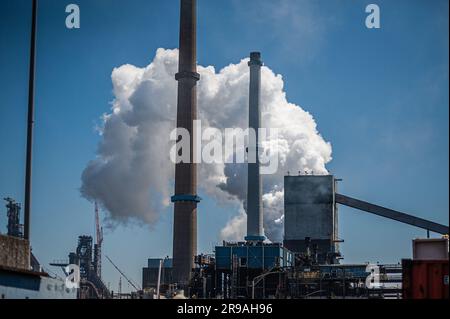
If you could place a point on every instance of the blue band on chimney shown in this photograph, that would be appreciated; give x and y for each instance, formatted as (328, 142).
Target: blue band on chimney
(187, 75)
(255, 238)
(185, 198)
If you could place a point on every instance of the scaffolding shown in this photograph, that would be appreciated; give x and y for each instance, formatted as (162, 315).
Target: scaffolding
(15, 228)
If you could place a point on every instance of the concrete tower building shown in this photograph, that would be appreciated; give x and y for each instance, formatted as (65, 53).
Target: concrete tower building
(310, 216)
(255, 230)
(185, 199)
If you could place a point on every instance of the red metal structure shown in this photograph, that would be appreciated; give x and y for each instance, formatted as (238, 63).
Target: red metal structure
(425, 279)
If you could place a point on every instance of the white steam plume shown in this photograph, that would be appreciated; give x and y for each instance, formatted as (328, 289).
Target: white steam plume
(132, 175)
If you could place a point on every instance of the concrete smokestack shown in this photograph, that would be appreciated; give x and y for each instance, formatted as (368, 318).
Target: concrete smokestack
(254, 185)
(185, 199)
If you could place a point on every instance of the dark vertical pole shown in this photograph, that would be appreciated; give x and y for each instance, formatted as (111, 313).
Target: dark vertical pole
(27, 207)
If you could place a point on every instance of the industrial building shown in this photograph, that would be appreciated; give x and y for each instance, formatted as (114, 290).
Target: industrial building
(310, 216)
(307, 264)
(157, 267)
(21, 275)
(87, 259)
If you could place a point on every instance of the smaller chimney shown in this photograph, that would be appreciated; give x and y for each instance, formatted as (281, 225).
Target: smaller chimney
(254, 186)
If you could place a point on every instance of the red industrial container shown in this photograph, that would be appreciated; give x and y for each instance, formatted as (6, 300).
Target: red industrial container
(425, 279)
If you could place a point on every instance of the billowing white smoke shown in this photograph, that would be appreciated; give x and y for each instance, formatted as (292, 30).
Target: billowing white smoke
(132, 175)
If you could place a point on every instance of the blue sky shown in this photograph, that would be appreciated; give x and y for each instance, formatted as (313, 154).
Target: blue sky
(379, 96)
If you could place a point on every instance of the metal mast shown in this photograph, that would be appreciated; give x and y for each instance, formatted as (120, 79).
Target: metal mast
(27, 206)
(185, 199)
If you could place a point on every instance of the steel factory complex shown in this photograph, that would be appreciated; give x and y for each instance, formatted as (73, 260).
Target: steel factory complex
(306, 264)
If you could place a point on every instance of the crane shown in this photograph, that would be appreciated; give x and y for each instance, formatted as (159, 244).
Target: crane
(124, 276)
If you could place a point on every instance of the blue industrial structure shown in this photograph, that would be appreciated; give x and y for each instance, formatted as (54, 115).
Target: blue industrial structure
(257, 256)
(352, 271)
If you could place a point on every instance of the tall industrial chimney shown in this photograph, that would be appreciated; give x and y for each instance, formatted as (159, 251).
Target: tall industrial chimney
(254, 185)
(185, 199)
